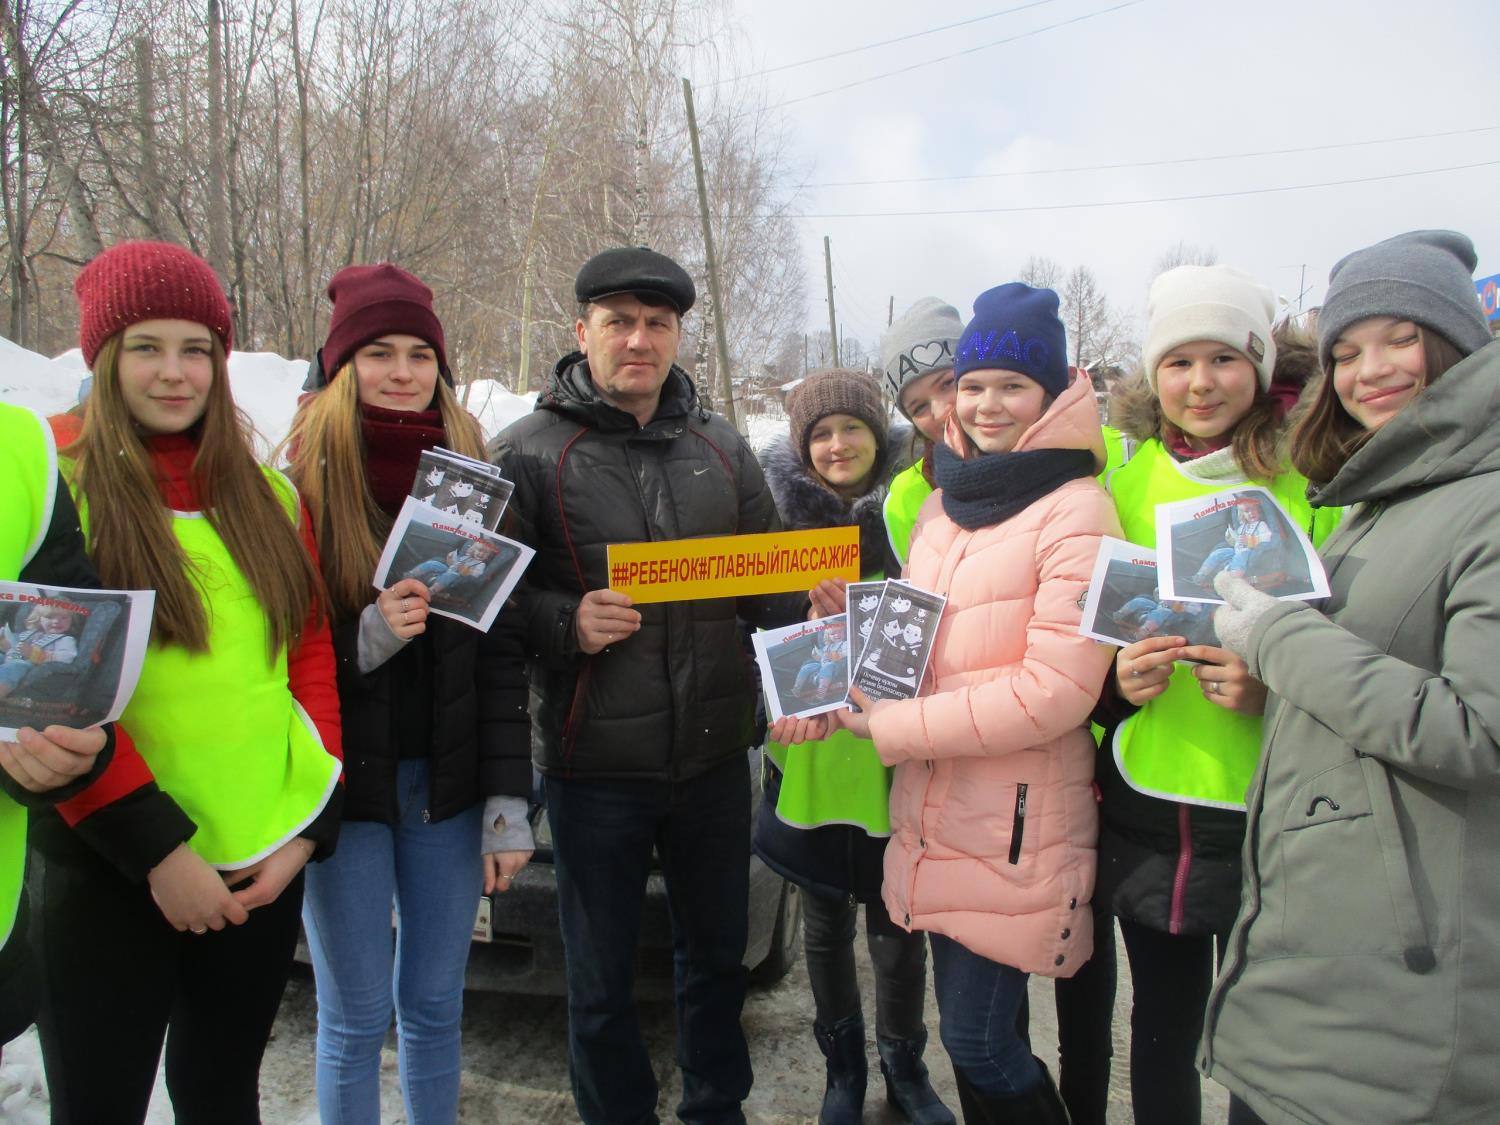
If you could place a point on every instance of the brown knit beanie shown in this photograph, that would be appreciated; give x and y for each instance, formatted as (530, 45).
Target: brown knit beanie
(835, 390)
(135, 281)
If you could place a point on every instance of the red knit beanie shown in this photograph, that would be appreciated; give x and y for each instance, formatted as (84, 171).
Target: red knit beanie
(136, 281)
(371, 301)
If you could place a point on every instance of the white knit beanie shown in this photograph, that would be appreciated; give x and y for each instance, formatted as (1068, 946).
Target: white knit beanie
(1217, 303)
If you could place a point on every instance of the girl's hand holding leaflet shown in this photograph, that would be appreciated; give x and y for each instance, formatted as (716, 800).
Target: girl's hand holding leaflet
(404, 607)
(1225, 680)
(500, 868)
(791, 731)
(1142, 669)
(191, 895)
(856, 723)
(270, 876)
(39, 761)
(827, 598)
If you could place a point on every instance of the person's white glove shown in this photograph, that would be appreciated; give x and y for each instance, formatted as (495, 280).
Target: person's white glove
(1235, 621)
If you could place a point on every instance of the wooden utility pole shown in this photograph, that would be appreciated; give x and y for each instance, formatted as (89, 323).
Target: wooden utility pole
(833, 330)
(720, 338)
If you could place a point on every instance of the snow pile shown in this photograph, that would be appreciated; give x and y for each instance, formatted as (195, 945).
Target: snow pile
(496, 407)
(46, 385)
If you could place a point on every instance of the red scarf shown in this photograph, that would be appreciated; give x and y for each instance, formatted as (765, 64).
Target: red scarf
(172, 457)
(394, 442)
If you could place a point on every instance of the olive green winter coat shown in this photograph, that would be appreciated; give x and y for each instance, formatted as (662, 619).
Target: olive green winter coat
(1362, 979)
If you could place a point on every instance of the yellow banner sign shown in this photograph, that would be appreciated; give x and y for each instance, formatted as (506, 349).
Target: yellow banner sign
(730, 566)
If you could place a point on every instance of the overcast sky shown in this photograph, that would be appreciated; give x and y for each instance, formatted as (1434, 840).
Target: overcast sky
(1151, 80)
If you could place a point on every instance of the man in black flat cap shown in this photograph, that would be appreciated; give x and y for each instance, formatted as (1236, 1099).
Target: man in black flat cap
(642, 717)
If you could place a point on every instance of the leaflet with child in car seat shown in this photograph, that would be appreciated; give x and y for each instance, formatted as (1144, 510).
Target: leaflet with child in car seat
(468, 570)
(68, 656)
(1241, 531)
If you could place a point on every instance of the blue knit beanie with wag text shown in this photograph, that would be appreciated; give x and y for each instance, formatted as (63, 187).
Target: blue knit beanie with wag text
(1016, 328)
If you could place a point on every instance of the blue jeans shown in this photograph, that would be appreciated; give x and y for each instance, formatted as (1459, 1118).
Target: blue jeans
(603, 832)
(433, 873)
(977, 1004)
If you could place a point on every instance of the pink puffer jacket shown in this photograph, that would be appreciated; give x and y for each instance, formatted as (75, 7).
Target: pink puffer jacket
(992, 805)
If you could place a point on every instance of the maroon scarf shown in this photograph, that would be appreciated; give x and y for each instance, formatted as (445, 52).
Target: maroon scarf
(394, 442)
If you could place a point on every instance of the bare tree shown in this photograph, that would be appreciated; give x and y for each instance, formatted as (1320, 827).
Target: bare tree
(1040, 272)
(1183, 254)
(488, 145)
(1098, 335)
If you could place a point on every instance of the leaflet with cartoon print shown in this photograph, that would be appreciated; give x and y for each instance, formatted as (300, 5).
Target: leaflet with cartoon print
(462, 487)
(804, 668)
(69, 657)
(468, 570)
(901, 636)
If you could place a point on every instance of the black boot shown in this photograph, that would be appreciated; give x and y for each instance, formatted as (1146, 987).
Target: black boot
(843, 1045)
(1040, 1105)
(906, 1083)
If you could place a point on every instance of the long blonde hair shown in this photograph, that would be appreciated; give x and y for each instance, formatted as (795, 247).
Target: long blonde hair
(130, 530)
(326, 451)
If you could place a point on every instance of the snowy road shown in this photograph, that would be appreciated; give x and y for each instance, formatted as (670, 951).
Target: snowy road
(515, 1066)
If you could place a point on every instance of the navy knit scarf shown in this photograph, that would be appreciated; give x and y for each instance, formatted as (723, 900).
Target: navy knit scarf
(991, 488)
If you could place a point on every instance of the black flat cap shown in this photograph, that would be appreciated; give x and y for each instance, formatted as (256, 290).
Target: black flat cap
(635, 269)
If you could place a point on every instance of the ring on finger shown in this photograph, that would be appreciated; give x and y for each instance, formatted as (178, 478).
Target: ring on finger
(1213, 687)
(199, 929)
(506, 878)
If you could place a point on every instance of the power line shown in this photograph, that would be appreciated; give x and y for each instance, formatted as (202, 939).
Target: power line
(1157, 163)
(880, 43)
(584, 215)
(1137, 202)
(955, 55)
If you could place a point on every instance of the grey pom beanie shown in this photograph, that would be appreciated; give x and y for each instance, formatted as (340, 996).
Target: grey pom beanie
(1425, 276)
(920, 341)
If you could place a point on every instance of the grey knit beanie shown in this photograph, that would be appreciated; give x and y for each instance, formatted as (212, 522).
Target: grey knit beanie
(1425, 276)
(835, 390)
(920, 341)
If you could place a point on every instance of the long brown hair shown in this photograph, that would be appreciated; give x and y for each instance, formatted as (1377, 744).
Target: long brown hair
(326, 451)
(1326, 435)
(1257, 439)
(130, 530)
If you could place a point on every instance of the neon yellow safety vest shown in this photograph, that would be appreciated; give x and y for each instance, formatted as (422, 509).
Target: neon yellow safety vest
(903, 500)
(28, 468)
(1179, 746)
(221, 730)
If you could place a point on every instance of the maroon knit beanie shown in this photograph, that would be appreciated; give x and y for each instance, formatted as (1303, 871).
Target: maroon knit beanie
(136, 281)
(371, 301)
